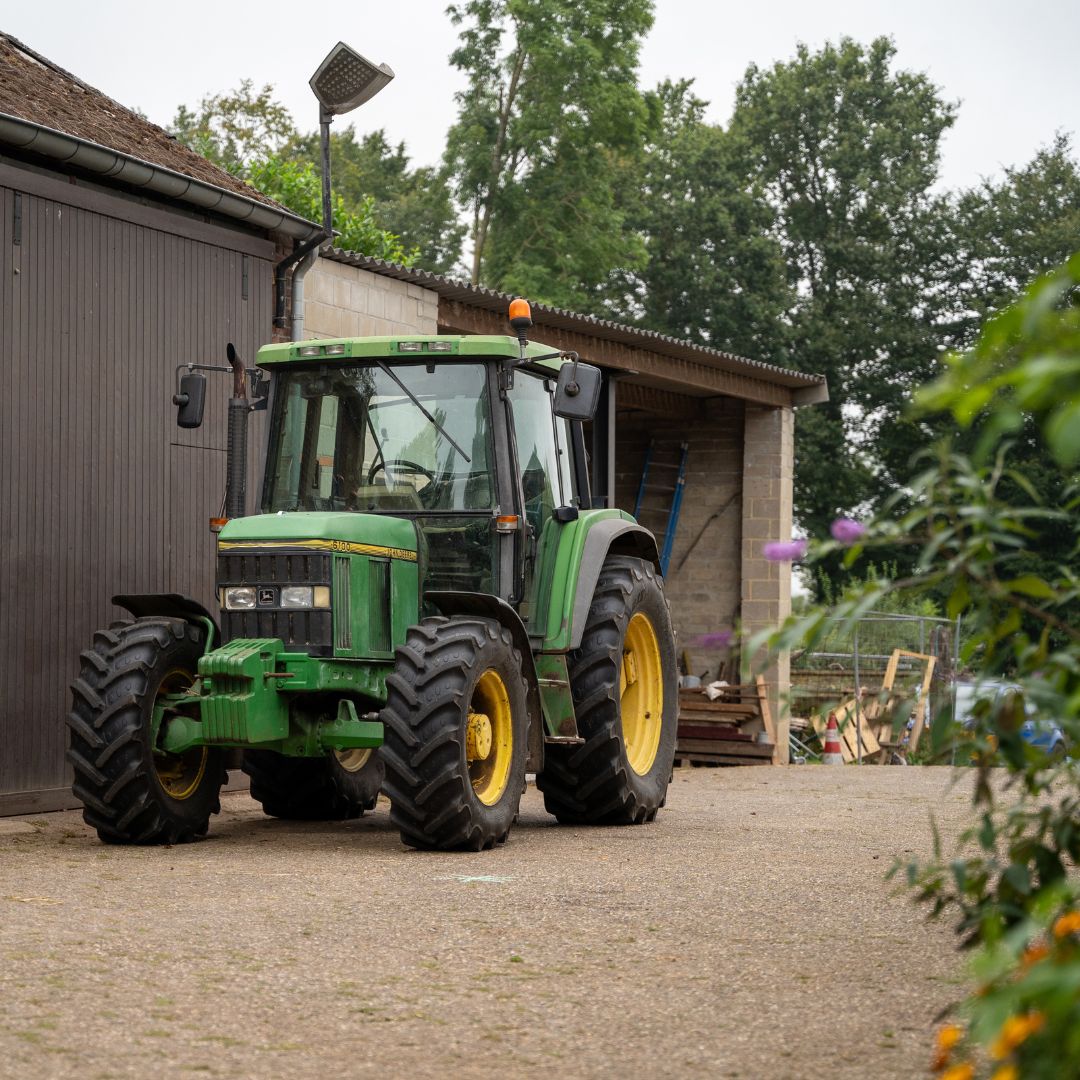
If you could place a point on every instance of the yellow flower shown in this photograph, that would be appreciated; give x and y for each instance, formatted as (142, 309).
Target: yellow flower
(949, 1036)
(964, 1071)
(1013, 1032)
(1006, 1072)
(1069, 923)
(1033, 954)
(946, 1038)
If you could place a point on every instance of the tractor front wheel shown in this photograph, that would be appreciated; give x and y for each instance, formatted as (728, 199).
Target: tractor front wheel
(623, 678)
(334, 788)
(456, 724)
(133, 792)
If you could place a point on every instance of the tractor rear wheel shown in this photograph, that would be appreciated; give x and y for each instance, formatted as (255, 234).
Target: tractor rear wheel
(456, 731)
(133, 793)
(334, 788)
(625, 687)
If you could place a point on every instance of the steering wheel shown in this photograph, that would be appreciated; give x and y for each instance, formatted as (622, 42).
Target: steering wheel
(411, 466)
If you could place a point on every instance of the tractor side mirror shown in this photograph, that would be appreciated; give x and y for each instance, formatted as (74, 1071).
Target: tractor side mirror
(191, 400)
(259, 382)
(577, 391)
(260, 389)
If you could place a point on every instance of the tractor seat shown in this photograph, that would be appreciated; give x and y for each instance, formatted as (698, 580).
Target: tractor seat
(384, 497)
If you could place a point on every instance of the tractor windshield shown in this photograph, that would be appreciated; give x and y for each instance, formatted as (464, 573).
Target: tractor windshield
(414, 438)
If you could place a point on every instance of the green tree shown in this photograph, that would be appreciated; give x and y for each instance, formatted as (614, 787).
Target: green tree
(416, 204)
(236, 128)
(550, 111)
(1012, 230)
(845, 150)
(1009, 232)
(714, 273)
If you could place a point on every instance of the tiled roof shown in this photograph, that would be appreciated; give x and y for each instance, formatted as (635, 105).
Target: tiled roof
(33, 88)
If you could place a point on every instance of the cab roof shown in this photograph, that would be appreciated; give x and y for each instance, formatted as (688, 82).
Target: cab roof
(399, 346)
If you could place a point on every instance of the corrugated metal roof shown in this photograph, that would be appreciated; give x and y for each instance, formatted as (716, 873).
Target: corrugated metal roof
(543, 315)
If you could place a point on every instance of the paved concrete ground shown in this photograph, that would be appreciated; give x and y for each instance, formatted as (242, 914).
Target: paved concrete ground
(747, 933)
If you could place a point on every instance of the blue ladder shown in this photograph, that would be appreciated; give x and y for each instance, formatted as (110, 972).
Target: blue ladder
(671, 512)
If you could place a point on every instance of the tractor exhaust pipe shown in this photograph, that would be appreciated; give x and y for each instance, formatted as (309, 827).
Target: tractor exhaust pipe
(236, 455)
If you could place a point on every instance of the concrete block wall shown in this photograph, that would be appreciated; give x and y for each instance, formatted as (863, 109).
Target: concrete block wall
(705, 589)
(738, 497)
(346, 301)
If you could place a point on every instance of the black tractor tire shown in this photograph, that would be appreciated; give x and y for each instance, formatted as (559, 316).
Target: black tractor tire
(130, 794)
(313, 789)
(595, 783)
(445, 792)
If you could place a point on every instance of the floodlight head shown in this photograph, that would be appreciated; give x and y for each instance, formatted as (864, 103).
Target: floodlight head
(345, 80)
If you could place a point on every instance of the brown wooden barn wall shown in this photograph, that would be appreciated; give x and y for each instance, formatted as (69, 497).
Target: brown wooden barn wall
(100, 298)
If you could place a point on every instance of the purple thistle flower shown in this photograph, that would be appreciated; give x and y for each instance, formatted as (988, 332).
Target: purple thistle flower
(785, 550)
(721, 639)
(847, 531)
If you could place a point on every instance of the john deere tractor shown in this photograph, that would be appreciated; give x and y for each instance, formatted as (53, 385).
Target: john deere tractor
(426, 605)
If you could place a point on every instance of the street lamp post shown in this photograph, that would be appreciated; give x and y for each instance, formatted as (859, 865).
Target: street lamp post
(343, 82)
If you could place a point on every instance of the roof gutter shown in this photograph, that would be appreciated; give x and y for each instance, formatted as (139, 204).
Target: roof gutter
(141, 174)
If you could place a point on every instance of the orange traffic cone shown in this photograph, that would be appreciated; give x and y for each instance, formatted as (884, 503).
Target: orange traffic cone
(832, 754)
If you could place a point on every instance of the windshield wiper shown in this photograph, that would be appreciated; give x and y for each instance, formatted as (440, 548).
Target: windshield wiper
(419, 404)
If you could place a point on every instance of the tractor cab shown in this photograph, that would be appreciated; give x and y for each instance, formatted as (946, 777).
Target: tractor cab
(460, 436)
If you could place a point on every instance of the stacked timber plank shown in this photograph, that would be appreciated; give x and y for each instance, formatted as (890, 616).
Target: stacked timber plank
(734, 729)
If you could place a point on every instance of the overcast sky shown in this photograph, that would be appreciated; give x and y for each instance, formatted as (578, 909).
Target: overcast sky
(1012, 68)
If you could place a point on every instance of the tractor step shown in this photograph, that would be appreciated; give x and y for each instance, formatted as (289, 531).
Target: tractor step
(564, 740)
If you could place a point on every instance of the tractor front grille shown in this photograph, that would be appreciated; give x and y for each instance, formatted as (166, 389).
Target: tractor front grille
(343, 600)
(306, 630)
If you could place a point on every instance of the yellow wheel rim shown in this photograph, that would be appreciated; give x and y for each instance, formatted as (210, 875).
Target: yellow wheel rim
(180, 774)
(489, 738)
(641, 688)
(354, 760)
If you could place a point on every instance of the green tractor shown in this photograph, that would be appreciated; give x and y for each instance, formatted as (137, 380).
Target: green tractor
(426, 606)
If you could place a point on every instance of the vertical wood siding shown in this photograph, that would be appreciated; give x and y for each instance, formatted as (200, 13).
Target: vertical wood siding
(100, 492)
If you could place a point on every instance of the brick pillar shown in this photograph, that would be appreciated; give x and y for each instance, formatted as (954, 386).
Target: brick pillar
(768, 468)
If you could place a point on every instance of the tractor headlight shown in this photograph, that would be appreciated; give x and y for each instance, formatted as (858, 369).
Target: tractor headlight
(239, 598)
(297, 596)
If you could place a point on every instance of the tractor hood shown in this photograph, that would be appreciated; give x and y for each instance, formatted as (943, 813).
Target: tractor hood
(348, 533)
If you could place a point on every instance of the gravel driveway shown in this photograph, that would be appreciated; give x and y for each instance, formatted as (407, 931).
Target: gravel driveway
(747, 933)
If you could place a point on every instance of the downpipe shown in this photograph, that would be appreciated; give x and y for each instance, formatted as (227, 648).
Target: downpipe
(306, 263)
(281, 273)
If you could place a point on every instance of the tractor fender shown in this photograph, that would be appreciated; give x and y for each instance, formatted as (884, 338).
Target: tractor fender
(486, 606)
(170, 606)
(609, 536)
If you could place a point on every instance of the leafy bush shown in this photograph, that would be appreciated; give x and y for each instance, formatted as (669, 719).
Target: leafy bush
(250, 134)
(298, 186)
(1010, 888)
